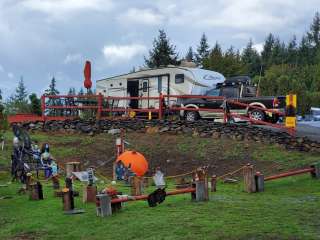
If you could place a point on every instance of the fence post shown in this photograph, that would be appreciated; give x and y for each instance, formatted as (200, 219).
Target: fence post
(259, 179)
(316, 172)
(43, 107)
(213, 183)
(249, 180)
(160, 105)
(98, 116)
(202, 193)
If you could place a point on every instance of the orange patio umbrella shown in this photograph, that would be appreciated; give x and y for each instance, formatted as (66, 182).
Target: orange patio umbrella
(139, 164)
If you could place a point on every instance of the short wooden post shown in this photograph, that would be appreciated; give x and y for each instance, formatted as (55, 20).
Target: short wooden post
(249, 180)
(28, 181)
(55, 182)
(202, 193)
(136, 186)
(316, 172)
(35, 191)
(67, 200)
(259, 179)
(103, 205)
(213, 183)
(72, 167)
(89, 194)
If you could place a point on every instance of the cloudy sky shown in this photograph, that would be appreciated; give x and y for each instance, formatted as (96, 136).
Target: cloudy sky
(45, 38)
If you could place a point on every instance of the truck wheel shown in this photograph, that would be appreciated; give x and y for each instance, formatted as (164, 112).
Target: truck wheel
(191, 116)
(257, 114)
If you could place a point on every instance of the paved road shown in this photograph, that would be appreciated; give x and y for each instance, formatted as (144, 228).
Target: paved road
(309, 129)
(304, 129)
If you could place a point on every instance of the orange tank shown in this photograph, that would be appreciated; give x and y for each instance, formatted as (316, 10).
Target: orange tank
(139, 164)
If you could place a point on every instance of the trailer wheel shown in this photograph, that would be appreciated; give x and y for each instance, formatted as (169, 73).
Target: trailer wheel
(191, 116)
(257, 114)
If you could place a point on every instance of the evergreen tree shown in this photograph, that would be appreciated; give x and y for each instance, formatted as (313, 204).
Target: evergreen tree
(203, 50)
(163, 52)
(35, 103)
(266, 54)
(21, 92)
(232, 63)
(52, 88)
(314, 33)
(190, 55)
(215, 60)
(278, 52)
(292, 52)
(250, 57)
(81, 92)
(72, 91)
(306, 54)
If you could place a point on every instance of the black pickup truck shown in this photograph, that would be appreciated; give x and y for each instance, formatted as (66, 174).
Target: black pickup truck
(238, 89)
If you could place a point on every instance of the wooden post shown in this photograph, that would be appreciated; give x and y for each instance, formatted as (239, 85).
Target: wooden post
(103, 205)
(259, 179)
(28, 181)
(136, 186)
(202, 193)
(249, 181)
(55, 182)
(43, 107)
(213, 183)
(35, 191)
(66, 200)
(316, 172)
(89, 194)
(72, 167)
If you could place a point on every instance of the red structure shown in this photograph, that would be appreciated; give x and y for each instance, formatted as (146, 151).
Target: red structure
(87, 75)
(103, 108)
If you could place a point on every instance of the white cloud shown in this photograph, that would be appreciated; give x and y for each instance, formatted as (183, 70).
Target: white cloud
(10, 75)
(141, 16)
(60, 9)
(118, 53)
(258, 47)
(73, 58)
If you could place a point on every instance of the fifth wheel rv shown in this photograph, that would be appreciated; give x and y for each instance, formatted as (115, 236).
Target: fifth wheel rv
(151, 82)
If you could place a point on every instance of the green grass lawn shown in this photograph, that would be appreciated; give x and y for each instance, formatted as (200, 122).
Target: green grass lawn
(288, 209)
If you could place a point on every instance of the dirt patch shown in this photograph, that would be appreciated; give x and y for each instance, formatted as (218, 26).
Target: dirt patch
(174, 153)
(27, 236)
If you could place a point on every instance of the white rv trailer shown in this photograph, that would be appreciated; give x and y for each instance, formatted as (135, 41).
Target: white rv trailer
(171, 80)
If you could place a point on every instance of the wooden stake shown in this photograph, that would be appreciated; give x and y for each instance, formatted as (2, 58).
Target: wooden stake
(249, 181)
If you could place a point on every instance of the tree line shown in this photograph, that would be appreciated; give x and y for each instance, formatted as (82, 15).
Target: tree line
(280, 68)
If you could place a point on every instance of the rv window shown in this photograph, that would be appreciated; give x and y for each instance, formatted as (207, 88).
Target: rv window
(179, 78)
(145, 86)
(111, 85)
(120, 84)
(159, 84)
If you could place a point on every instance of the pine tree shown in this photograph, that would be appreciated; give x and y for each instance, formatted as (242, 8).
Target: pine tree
(190, 55)
(53, 101)
(266, 54)
(163, 52)
(81, 92)
(21, 92)
(306, 54)
(292, 52)
(203, 50)
(250, 57)
(52, 88)
(314, 33)
(72, 91)
(35, 103)
(215, 59)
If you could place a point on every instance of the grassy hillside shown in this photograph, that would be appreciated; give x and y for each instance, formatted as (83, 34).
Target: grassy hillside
(288, 209)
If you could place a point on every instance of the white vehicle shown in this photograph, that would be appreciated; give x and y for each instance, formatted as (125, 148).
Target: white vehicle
(171, 80)
(315, 112)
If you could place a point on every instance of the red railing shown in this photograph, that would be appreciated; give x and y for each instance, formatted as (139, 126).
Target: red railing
(101, 105)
